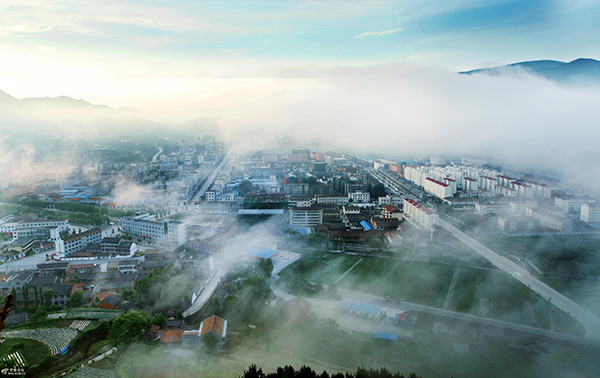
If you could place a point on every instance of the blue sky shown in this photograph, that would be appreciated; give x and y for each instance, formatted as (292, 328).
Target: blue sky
(103, 44)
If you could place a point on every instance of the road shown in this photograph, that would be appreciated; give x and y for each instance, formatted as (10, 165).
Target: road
(212, 176)
(590, 322)
(408, 306)
(206, 294)
(155, 157)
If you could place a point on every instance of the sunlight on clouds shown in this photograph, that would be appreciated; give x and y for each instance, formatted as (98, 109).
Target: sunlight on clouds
(368, 34)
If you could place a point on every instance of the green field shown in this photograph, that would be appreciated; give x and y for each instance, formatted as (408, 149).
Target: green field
(416, 282)
(31, 350)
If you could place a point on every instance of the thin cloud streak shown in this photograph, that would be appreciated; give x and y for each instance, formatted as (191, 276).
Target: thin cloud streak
(369, 34)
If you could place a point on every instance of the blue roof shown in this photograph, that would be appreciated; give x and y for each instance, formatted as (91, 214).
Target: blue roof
(302, 230)
(593, 225)
(386, 336)
(261, 253)
(366, 225)
(360, 307)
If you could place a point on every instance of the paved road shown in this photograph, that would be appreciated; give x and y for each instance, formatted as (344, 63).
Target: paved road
(590, 322)
(160, 151)
(407, 306)
(212, 176)
(206, 294)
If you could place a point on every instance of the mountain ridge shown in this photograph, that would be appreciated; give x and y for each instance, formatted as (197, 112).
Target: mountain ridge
(577, 71)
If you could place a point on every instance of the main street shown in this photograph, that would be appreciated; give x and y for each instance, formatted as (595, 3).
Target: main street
(212, 176)
(590, 322)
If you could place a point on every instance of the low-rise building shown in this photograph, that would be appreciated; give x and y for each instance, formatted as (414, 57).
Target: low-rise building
(305, 217)
(78, 242)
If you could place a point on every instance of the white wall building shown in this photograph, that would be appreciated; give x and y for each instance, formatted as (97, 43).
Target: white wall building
(437, 188)
(419, 214)
(590, 212)
(360, 197)
(305, 217)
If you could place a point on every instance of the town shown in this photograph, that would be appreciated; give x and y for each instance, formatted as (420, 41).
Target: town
(195, 254)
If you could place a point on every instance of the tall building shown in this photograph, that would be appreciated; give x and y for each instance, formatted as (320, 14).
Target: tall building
(419, 214)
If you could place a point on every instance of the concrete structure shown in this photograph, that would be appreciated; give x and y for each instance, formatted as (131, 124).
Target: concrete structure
(333, 200)
(572, 203)
(419, 214)
(360, 197)
(517, 224)
(171, 231)
(78, 242)
(437, 188)
(590, 212)
(305, 217)
(553, 221)
(360, 309)
(489, 208)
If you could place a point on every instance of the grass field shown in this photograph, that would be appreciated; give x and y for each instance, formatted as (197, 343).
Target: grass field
(32, 351)
(410, 281)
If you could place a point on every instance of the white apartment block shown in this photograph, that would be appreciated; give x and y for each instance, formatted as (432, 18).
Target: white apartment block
(78, 242)
(419, 214)
(210, 196)
(517, 224)
(171, 231)
(221, 207)
(305, 217)
(590, 212)
(553, 221)
(394, 199)
(572, 203)
(437, 188)
(489, 209)
(360, 197)
(333, 200)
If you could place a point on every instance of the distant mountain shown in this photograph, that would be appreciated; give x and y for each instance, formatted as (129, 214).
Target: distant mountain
(578, 71)
(68, 117)
(6, 97)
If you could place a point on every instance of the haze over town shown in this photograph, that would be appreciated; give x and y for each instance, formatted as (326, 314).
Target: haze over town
(242, 189)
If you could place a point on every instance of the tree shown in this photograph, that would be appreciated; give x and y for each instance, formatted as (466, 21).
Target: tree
(159, 319)
(244, 187)
(128, 328)
(264, 268)
(36, 295)
(13, 291)
(75, 277)
(25, 290)
(77, 299)
(47, 294)
(210, 341)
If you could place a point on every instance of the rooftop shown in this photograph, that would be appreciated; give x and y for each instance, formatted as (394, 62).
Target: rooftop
(361, 307)
(261, 253)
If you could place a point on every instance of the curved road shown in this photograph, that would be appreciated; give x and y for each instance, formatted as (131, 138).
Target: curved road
(590, 322)
(160, 151)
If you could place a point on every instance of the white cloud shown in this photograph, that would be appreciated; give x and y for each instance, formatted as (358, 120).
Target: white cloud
(47, 49)
(368, 34)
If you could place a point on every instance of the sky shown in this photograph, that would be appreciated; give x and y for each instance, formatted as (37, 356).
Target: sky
(175, 55)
